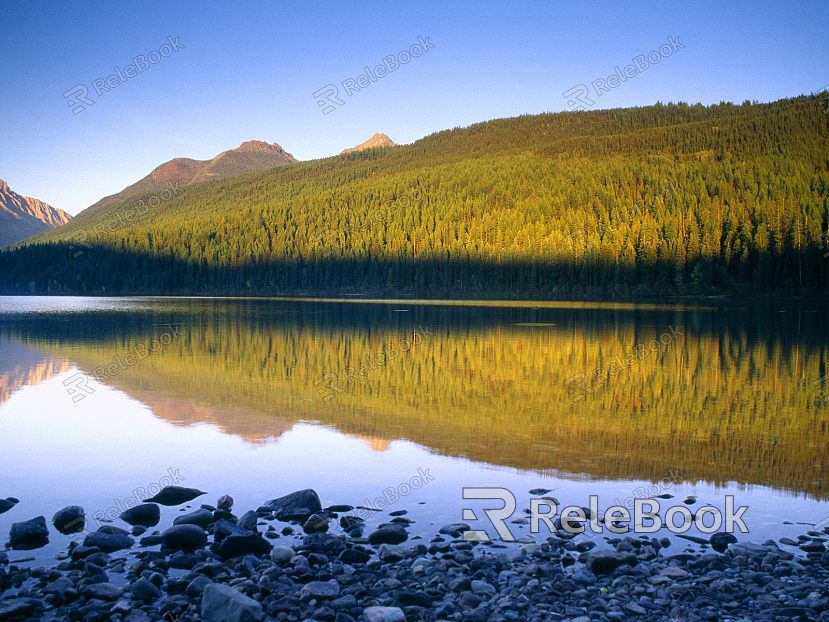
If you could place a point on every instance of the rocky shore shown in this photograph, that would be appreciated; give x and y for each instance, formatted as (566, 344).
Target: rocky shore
(293, 560)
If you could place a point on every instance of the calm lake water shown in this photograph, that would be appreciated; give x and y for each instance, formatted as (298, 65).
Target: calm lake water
(102, 399)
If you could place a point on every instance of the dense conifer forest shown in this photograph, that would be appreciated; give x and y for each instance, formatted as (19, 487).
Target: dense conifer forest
(670, 199)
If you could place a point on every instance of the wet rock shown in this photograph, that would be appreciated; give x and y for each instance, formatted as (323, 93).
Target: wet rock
(320, 589)
(225, 503)
(8, 503)
(144, 590)
(103, 591)
(412, 598)
(70, 519)
(175, 495)
(19, 608)
(282, 554)
(454, 529)
(30, 534)
(540, 491)
(186, 538)
(297, 506)
(145, 514)
(236, 546)
(355, 556)
(384, 614)
(196, 587)
(200, 517)
(720, 541)
(391, 552)
(248, 520)
(391, 533)
(221, 603)
(316, 523)
(605, 563)
(109, 539)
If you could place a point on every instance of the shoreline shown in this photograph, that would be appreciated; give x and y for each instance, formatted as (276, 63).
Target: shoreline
(211, 564)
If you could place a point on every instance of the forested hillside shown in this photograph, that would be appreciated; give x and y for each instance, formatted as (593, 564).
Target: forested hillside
(662, 200)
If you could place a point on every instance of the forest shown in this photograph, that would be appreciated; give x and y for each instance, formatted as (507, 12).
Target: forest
(664, 200)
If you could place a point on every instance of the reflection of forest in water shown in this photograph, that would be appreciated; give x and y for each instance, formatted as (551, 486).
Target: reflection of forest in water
(734, 397)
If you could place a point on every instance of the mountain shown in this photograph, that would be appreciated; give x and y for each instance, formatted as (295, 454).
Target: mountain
(21, 217)
(656, 201)
(252, 155)
(378, 140)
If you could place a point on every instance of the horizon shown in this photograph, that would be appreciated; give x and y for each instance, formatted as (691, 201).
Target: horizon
(213, 78)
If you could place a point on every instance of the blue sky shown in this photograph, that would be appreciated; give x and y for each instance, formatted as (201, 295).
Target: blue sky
(248, 70)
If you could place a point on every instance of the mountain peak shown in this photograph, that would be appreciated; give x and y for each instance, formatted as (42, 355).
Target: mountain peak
(251, 155)
(259, 146)
(377, 140)
(21, 217)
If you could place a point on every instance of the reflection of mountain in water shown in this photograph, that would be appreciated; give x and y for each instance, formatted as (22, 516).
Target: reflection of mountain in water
(21, 367)
(730, 398)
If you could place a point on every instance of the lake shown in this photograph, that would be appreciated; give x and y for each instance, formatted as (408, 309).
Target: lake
(401, 404)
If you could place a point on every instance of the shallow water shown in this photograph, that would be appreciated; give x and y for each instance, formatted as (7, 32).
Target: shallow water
(102, 399)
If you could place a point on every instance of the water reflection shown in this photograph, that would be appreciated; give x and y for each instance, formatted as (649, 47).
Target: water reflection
(730, 396)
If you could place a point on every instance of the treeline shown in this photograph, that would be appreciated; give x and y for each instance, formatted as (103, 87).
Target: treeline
(663, 200)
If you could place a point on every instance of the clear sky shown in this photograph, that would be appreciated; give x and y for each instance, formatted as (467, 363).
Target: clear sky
(248, 70)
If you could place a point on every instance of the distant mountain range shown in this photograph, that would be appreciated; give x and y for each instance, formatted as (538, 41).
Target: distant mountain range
(250, 156)
(378, 140)
(21, 217)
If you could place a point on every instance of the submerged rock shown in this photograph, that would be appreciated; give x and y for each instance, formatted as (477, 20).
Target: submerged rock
(186, 538)
(8, 503)
(175, 495)
(70, 519)
(30, 534)
(299, 505)
(390, 533)
(146, 515)
(109, 539)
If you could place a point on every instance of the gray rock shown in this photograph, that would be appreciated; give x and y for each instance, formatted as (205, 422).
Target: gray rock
(481, 587)
(109, 539)
(70, 519)
(144, 590)
(282, 554)
(145, 514)
(391, 533)
(200, 517)
(384, 614)
(391, 552)
(320, 589)
(103, 591)
(225, 503)
(221, 603)
(186, 538)
(236, 546)
(248, 520)
(7, 504)
(297, 506)
(196, 587)
(30, 534)
(316, 523)
(454, 529)
(175, 495)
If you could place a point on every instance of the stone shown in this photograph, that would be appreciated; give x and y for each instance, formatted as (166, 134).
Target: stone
(200, 517)
(103, 591)
(720, 541)
(7, 504)
(145, 514)
(391, 552)
(236, 546)
(109, 539)
(30, 534)
(282, 554)
(186, 538)
(388, 534)
(384, 614)
(320, 589)
(144, 590)
(225, 503)
(70, 519)
(297, 506)
(221, 603)
(175, 495)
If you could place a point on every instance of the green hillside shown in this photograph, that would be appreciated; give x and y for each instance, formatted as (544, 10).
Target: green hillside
(662, 200)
